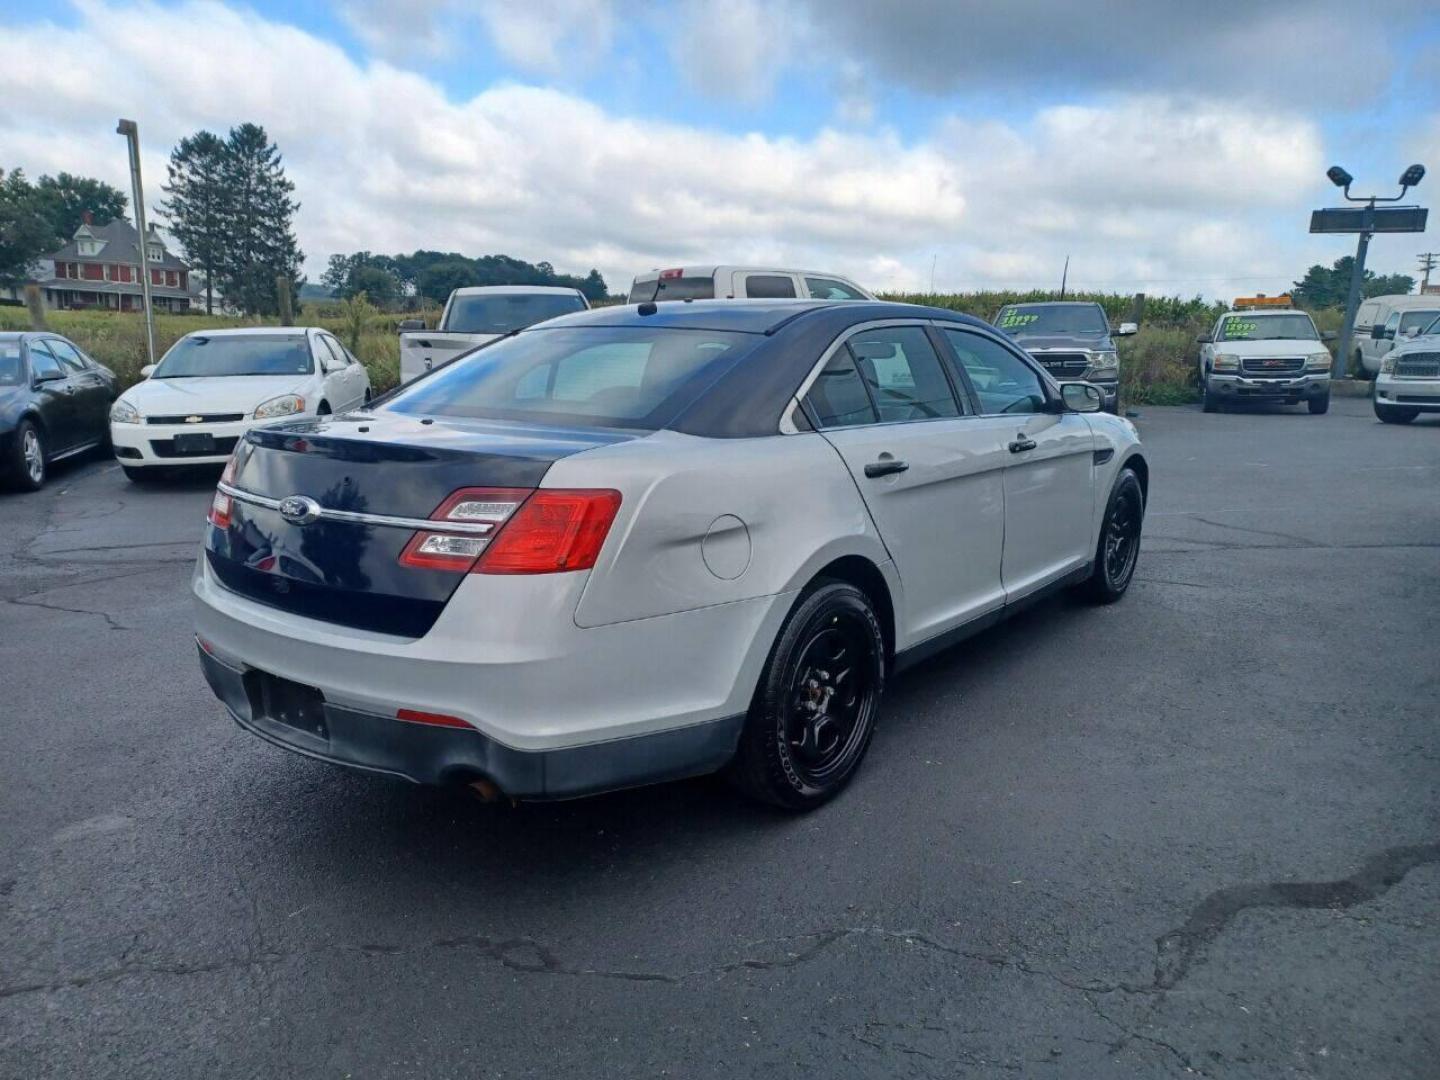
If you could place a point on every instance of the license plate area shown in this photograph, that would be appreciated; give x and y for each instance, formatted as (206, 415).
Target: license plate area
(290, 703)
(195, 442)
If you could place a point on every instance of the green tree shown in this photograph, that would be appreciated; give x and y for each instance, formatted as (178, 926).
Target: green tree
(374, 275)
(437, 280)
(25, 230)
(198, 210)
(1322, 287)
(594, 287)
(260, 242)
(65, 200)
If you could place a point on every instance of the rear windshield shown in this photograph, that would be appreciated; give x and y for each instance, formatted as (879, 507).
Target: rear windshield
(11, 371)
(680, 288)
(500, 313)
(199, 356)
(1052, 319)
(1292, 327)
(594, 376)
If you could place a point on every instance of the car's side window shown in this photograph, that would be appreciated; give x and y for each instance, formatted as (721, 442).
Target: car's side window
(1003, 382)
(336, 360)
(69, 357)
(904, 374)
(837, 397)
(1392, 324)
(769, 286)
(42, 364)
(830, 289)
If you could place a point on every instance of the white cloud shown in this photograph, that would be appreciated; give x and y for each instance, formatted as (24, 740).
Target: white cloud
(733, 49)
(1138, 190)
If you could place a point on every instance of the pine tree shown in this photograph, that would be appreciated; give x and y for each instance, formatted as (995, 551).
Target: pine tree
(198, 211)
(260, 241)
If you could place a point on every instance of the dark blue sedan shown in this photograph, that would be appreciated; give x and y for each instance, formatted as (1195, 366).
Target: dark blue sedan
(54, 404)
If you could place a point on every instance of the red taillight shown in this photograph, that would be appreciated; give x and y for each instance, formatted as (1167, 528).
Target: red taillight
(530, 532)
(457, 551)
(220, 502)
(415, 716)
(668, 275)
(555, 531)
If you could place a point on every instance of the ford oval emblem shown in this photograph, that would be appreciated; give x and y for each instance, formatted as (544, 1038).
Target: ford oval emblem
(299, 509)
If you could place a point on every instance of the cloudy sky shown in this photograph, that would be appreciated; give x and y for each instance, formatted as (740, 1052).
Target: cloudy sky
(1167, 147)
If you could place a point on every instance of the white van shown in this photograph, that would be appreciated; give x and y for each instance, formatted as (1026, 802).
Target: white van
(741, 283)
(1381, 321)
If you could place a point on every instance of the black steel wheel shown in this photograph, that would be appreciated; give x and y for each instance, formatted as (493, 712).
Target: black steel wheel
(1392, 414)
(819, 697)
(1319, 406)
(1118, 549)
(1210, 402)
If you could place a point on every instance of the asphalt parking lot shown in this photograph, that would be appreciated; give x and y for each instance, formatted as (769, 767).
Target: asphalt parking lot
(1192, 833)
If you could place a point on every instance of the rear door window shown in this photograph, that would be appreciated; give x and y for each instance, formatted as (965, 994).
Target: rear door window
(903, 373)
(837, 397)
(769, 286)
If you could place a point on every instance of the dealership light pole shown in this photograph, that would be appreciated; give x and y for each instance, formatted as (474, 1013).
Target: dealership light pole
(132, 139)
(1366, 222)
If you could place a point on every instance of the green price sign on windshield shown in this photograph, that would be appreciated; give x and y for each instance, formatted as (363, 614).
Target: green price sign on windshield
(1011, 320)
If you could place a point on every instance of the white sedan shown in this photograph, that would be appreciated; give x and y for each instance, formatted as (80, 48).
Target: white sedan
(214, 385)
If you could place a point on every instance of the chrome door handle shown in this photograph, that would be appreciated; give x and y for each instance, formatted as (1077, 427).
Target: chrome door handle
(1021, 444)
(885, 468)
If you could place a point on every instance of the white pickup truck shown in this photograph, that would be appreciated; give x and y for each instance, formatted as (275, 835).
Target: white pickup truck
(473, 316)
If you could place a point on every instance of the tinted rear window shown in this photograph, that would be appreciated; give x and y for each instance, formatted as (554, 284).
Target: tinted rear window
(500, 313)
(12, 372)
(581, 377)
(683, 288)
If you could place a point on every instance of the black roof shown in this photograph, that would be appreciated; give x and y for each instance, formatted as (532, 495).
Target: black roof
(748, 399)
(752, 316)
(120, 239)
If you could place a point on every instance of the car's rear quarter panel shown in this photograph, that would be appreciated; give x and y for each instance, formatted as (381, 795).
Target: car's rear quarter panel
(793, 494)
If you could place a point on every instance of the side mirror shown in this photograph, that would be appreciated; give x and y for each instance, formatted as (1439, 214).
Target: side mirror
(1377, 332)
(1202, 339)
(1125, 329)
(1081, 396)
(148, 370)
(411, 324)
(1328, 335)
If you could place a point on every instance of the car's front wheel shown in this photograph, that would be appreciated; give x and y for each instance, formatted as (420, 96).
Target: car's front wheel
(1392, 414)
(1211, 402)
(818, 699)
(28, 464)
(1319, 406)
(1119, 547)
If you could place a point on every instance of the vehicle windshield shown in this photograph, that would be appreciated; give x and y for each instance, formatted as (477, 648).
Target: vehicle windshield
(1432, 327)
(1418, 321)
(680, 288)
(1293, 326)
(594, 376)
(500, 313)
(1052, 319)
(11, 369)
(198, 356)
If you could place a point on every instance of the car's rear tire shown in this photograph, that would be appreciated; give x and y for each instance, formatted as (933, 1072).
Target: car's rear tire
(815, 709)
(27, 465)
(1395, 414)
(1319, 406)
(1118, 549)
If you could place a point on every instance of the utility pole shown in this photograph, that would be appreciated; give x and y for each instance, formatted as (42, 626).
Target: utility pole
(1427, 263)
(1064, 277)
(132, 140)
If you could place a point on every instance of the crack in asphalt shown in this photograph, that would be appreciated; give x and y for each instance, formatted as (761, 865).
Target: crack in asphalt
(1177, 951)
(1302, 540)
(109, 619)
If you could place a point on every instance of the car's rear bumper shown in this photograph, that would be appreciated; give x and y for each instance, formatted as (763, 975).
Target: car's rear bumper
(507, 659)
(428, 754)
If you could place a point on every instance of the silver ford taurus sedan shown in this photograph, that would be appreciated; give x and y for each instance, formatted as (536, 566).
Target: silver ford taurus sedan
(640, 543)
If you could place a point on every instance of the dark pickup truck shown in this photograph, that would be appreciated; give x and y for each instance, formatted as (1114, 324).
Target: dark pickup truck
(1072, 340)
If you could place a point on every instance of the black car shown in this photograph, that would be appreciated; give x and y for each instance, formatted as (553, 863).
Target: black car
(54, 403)
(1072, 339)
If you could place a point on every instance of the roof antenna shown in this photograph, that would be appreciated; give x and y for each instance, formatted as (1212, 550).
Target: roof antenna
(649, 308)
